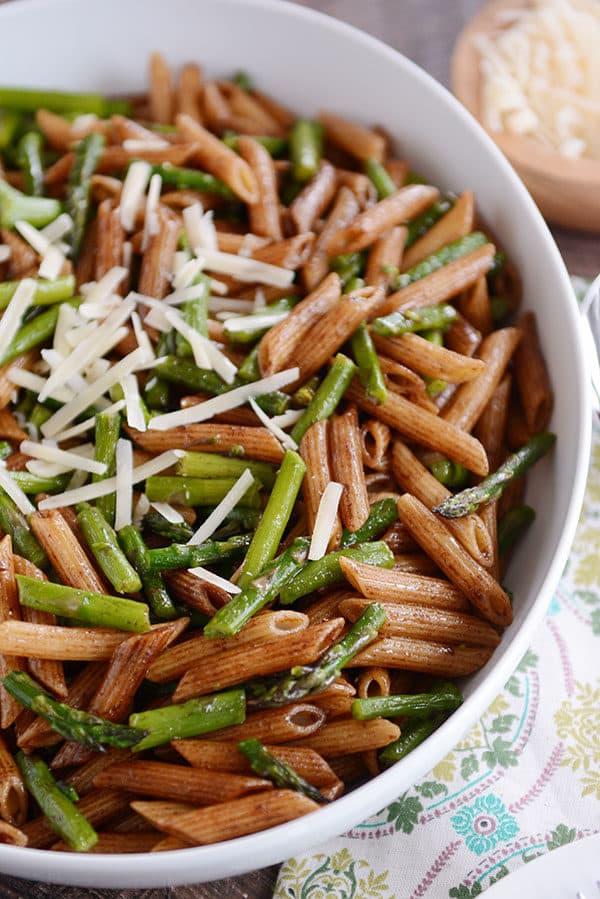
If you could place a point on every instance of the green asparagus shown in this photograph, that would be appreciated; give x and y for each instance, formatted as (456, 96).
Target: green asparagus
(421, 225)
(413, 733)
(512, 526)
(326, 571)
(107, 430)
(195, 314)
(348, 266)
(190, 719)
(14, 206)
(327, 397)
(382, 514)
(381, 178)
(46, 292)
(369, 368)
(468, 501)
(212, 465)
(192, 179)
(32, 484)
(132, 544)
(453, 251)
(13, 522)
(179, 532)
(189, 555)
(276, 146)
(87, 157)
(413, 320)
(445, 697)
(265, 764)
(102, 540)
(306, 148)
(197, 491)
(32, 99)
(29, 152)
(30, 335)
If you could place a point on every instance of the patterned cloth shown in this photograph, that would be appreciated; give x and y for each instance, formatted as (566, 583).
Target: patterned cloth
(524, 781)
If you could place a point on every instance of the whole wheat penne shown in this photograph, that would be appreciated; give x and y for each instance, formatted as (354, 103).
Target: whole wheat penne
(105, 187)
(477, 584)
(416, 563)
(216, 113)
(216, 157)
(264, 214)
(82, 777)
(161, 90)
(167, 781)
(347, 465)
(98, 807)
(385, 255)
(471, 398)
(230, 819)
(424, 428)
(426, 623)
(334, 706)
(7, 388)
(346, 736)
(457, 222)
(314, 449)
(247, 109)
(65, 552)
(393, 585)
(402, 380)
(442, 284)
(343, 211)
(85, 270)
(9, 611)
(325, 609)
(45, 641)
(475, 305)
(157, 261)
(212, 438)
(398, 539)
(115, 158)
(400, 207)
(23, 257)
(117, 843)
(215, 756)
(188, 93)
(131, 823)
(232, 242)
(517, 430)
(332, 330)
(491, 427)
(11, 836)
(292, 252)
(435, 361)
(375, 442)
(10, 429)
(292, 722)
(279, 344)
(129, 664)
(110, 239)
(489, 516)
(123, 128)
(13, 792)
(314, 199)
(358, 141)
(414, 478)
(531, 375)
(398, 170)
(191, 590)
(276, 110)
(61, 134)
(462, 337)
(265, 626)
(236, 665)
(424, 656)
(373, 682)
(168, 844)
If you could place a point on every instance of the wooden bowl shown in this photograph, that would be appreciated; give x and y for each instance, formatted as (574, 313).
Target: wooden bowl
(566, 190)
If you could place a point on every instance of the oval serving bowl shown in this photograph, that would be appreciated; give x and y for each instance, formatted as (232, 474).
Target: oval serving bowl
(311, 61)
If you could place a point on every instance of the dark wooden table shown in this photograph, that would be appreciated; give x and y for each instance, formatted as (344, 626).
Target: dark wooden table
(425, 31)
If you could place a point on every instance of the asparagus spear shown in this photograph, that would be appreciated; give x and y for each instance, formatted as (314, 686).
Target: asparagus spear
(190, 719)
(32, 99)
(212, 465)
(96, 609)
(265, 764)
(445, 697)
(512, 526)
(107, 430)
(326, 571)
(249, 369)
(187, 555)
(273, 314)
(491, 487)
(29, 152)
(276, 146)
(70, 723)
(415, 320)
(195, 314)
(348, 266)
(102, 540)
(275, 517)
(10, 122)
(178, 532)
(197, 491)
(306, 148)
(14, 206)
(132, 544)
(303, 681)
(13, 522)
(413, 733)
(192, 179)
(32, 484)
(369, 368)
(243, 80)
(263, 589)
(62, 815)
(382, 515)
(46, 292)
(87, 156)
(449, 473)
(156, 394)
(419, 226)
(36, 331)
(437, 260)
(383, 181)
(239, 520)
(327, 397)
(5, 450)
(306, 393)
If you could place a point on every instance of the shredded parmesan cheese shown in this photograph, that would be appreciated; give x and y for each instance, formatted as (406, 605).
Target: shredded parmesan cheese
(14, 491)
(58, 228)
(89, 423)
(11, 319)
(211, 578)
(325, 520)
(68, 458)
(167, 511)
(243, 322)
(34, 238)
(52, 263)
(132, 194)
(141, 507)
(277, 432)
(5, 252)
(151, 221)
(223, 403)
(220, 512)
(131, 393)
(124, 486)
(246, 269)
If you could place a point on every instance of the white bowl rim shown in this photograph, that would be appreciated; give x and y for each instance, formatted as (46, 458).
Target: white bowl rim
(154, 869)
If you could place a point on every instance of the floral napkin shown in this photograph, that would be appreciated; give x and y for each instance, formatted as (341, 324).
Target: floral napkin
(524, 781)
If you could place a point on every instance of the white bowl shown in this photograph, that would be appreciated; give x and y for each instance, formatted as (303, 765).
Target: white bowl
(311, 61)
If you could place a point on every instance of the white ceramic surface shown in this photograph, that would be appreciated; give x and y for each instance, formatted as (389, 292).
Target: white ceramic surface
(312, 61)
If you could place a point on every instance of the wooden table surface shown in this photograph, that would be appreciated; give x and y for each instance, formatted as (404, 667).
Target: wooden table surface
(425, 31)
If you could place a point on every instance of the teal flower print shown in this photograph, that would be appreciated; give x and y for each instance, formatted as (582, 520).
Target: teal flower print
(484, 824)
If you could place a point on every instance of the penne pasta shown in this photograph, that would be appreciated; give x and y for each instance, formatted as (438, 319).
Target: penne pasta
(13, 792)
(214, 156)
(491, 427)
(531, 376)
(9, 611)
(433, 361)
(98, 807)
(315, 450)
(118, 843)
(255, 443)
(343, 211)
(314, 199)
(384, 256)
(161, 90)
(456, 223)
(276, 726)
(426, 657)
(46, 641)
(157, 260)
(356, 140)
(188, 93)
(346, 457)
(65, 552)
(346, 736)
(264, 213)
(476, 307)
(375, 441)
(11, 836)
